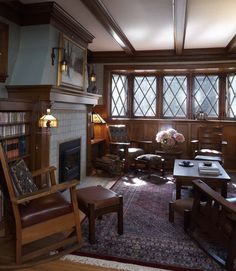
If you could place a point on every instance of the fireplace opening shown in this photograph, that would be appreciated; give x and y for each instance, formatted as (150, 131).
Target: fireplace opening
(69, 160)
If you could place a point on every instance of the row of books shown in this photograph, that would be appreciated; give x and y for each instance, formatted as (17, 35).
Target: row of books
(6, 117)
(12, 130)
(15, 147)
(211, 169)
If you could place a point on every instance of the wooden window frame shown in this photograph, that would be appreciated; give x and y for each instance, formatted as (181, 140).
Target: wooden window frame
(190, 74)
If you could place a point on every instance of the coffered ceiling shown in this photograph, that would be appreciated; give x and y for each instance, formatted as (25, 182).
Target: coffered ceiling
(144, 25)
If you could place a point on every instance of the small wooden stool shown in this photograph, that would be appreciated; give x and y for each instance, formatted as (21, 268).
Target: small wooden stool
(96, 201)
(150, 160)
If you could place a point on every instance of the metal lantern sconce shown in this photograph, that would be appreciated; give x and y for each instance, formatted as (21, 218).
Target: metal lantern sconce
(63, 62)
(93, 76)
(48, 121)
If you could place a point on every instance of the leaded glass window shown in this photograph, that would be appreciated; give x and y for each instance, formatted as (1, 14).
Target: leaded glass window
(206, 95)
(119, 95)
(144, 102)
(175, 96)
(231, 96)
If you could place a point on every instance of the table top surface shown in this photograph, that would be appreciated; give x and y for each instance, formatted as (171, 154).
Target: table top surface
(193, 172)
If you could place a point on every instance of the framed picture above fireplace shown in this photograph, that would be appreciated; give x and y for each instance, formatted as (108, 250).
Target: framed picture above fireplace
(75, 56)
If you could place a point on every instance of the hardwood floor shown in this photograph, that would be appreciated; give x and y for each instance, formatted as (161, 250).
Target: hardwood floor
(67, 266)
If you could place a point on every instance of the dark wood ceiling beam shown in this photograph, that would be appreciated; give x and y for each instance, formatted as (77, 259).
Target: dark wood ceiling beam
(188, 55)
(180, 15)
(98, 9)
(231, 47)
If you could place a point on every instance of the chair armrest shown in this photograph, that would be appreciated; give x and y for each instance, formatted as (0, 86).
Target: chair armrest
(141, 141)
(224, 142)
(120, 143)
(46, 191)
(42, 171)
(194, 141)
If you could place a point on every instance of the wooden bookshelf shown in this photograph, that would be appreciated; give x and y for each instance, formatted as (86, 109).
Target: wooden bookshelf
(15, 133)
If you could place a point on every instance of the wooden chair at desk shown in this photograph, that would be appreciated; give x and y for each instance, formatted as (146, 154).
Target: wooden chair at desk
(121, 144)
(209, 145)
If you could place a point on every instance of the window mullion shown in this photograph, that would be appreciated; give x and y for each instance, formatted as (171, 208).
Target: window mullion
(222, 96)
(190, 96)
(130, 95)
(159, 100)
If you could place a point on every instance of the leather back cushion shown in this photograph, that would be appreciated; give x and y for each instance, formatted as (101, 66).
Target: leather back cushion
(22, 178)
(118, 133)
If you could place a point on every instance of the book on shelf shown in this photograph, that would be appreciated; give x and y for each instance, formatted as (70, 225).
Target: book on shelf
(212, 169)
(12, 148)
(22, 146)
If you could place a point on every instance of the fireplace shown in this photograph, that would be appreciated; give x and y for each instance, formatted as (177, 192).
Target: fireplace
(69, 160)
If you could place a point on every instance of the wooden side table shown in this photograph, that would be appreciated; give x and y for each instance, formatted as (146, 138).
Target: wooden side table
(169, 157)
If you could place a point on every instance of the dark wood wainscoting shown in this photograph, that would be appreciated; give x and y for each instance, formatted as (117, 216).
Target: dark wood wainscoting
(147, 130)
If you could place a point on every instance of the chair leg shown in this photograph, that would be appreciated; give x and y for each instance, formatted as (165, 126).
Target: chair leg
(18, 250)
(163, 167)
(91, 217)
(120, 215)
(171, 212)
(187, 217)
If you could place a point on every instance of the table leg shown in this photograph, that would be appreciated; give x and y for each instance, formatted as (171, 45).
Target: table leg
(178, 188)
(224, 188)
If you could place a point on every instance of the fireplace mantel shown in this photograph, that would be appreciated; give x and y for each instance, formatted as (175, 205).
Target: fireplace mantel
(51, 93)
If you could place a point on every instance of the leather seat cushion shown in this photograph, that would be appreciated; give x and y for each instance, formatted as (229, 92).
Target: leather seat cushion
(209, 152)
(100, 196)
(183, 204)
(208, 158)
(149, 157)
(43, 209)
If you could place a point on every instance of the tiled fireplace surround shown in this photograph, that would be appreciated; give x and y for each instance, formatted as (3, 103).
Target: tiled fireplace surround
(72, 119)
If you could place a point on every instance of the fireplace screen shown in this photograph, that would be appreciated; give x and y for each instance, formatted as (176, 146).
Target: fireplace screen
(69, 160)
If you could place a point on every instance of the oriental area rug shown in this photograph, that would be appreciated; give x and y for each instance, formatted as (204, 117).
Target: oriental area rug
(149, 238)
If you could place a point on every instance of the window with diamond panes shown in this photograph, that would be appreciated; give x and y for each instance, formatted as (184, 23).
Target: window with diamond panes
(175, 96)
(144, 99)
(231, 96)
(119, 95)
(206, 95)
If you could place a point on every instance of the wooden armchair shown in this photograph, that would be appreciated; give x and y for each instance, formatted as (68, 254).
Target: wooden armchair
(40, 222)
(120, 143)
(210, 144)
(215, 217)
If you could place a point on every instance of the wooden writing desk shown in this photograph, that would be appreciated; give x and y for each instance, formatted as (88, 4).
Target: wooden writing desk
(185, 175)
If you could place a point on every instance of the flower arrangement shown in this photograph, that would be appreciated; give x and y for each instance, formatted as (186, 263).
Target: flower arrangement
(169, 138)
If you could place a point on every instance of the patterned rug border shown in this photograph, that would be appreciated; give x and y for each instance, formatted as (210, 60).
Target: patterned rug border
(135, 262)
(109, 264)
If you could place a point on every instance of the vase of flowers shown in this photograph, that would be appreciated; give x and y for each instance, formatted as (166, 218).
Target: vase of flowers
(169, 139)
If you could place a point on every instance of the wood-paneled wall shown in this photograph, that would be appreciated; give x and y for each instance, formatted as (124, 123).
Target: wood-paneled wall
(147, 130)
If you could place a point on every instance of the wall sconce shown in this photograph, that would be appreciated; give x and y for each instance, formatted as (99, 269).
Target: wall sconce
(63, 62)
(92, 83)
(48, 121)
(95, 119)
(93, 76)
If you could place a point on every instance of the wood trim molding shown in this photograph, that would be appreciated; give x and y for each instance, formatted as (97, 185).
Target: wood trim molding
(46, 13)
(180, 14)
(99, 10)
(231, 47)
(52, 94)
(174, 68)
(4, 33)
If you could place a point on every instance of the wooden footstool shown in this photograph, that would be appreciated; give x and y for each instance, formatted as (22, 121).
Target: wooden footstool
(96, 201)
